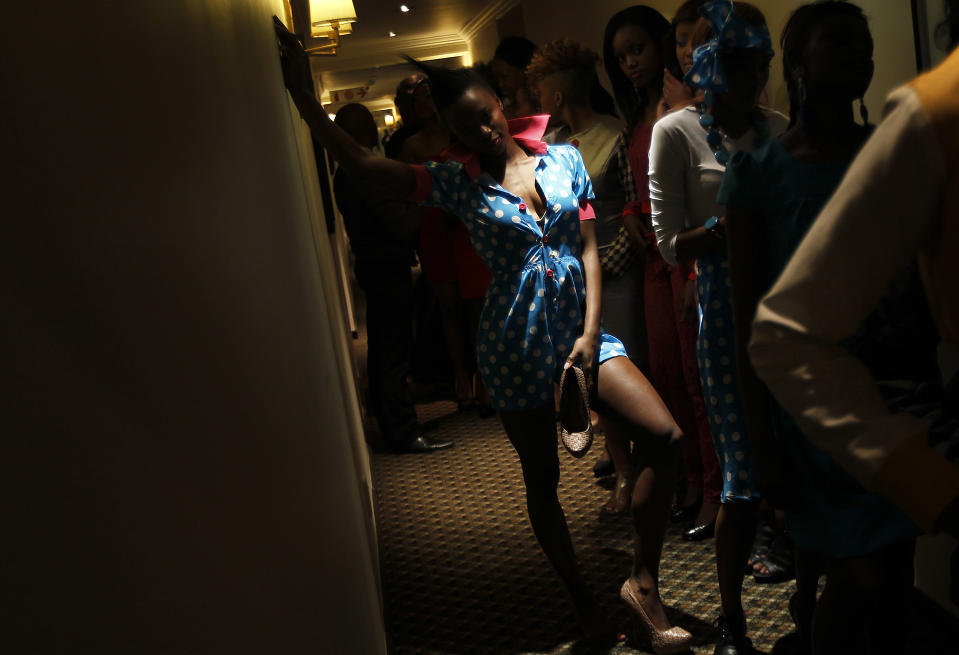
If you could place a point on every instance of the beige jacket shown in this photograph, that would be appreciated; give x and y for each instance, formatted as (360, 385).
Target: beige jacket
(898, 202)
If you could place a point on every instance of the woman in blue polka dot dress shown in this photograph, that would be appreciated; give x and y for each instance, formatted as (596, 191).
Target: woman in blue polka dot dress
(526, 206)
(686, 165)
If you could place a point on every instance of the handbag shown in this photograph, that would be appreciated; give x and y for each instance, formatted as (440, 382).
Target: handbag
(576, 430)
(616, 258)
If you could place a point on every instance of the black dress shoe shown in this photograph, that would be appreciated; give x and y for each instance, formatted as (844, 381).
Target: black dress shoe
(700, 532)
(423, 444)
(486, 410)
(731, 641)
(603, 468)
(683, 514)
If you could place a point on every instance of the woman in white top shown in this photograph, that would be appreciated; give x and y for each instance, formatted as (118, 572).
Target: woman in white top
(564, 74)
(686, 165)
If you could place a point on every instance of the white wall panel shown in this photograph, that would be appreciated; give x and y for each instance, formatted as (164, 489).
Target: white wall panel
(184, 448)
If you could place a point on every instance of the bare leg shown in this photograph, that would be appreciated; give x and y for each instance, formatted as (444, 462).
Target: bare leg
(604, 455)
(533, 435)
(617, 445)
(735, 529)
(691, 495)
(632, 409)
(708, 512)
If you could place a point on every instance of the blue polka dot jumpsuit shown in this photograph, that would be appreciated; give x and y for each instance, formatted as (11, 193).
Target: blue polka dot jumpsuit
(717, 369)
(535, 302)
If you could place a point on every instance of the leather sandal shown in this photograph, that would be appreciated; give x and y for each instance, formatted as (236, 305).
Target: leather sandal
(778, 560)
(765, 533)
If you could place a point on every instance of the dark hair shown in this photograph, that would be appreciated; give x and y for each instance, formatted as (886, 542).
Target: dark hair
(796, 35)
(447, 85)
(688, 12)
(515, 51)
(484, 70)
(632, 101)
(404, 96)
(577, 65)
(950, 23)
(573, 61)
(357, 121)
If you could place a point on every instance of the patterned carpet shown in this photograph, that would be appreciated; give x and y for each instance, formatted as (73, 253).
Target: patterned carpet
(462, 572)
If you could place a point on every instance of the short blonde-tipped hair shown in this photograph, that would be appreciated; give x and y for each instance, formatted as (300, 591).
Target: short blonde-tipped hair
(572, 64)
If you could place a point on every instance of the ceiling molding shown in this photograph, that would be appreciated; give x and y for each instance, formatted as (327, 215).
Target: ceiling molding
(422, 42)
(381, 103)
(495, 10)
(391, 52)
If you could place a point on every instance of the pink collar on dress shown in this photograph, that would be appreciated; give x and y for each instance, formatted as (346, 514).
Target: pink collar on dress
(527, 131)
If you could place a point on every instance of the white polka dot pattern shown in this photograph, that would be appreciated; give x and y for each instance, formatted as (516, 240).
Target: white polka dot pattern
(717, 368)
(537, 295)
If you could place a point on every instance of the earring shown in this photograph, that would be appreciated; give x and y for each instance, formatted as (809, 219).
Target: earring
(863, 111)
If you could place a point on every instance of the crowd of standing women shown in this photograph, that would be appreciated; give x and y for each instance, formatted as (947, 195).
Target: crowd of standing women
(640, 248)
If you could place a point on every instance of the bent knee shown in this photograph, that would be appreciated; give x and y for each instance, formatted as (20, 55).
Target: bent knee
(674, 439)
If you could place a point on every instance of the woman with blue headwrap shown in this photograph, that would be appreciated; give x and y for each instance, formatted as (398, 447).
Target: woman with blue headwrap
(687, 160)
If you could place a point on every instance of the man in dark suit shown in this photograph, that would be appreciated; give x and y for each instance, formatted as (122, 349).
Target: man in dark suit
(382, 236)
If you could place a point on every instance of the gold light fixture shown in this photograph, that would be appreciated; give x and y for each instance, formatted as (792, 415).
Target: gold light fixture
(329, 19)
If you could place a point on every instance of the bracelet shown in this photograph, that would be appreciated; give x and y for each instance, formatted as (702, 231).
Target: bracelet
(713, 226)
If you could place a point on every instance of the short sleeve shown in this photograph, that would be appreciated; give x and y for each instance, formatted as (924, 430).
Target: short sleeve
(438, 184)
(582, 185)
(742, 183)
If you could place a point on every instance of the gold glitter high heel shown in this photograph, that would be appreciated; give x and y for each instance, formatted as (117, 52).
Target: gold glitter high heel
(664, 642)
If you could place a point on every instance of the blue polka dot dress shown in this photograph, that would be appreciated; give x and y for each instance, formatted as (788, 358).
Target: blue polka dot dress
(535, 302)
(717, 370)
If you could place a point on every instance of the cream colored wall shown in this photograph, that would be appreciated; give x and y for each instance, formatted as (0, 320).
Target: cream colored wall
(890, 21)
(484, 42)
(891, 25)
(181, 432)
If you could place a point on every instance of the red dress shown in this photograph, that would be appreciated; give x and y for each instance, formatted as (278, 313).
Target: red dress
(447, 253)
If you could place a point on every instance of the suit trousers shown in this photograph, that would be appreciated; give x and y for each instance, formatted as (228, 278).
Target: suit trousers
(388, 287)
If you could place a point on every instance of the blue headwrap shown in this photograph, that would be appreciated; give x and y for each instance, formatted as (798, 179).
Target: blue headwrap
(731, 33)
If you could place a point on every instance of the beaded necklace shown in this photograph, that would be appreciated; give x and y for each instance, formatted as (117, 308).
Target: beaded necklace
(715, 138)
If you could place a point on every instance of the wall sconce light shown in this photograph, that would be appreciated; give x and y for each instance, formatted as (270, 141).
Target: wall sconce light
(329, 19)
(388, 119)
